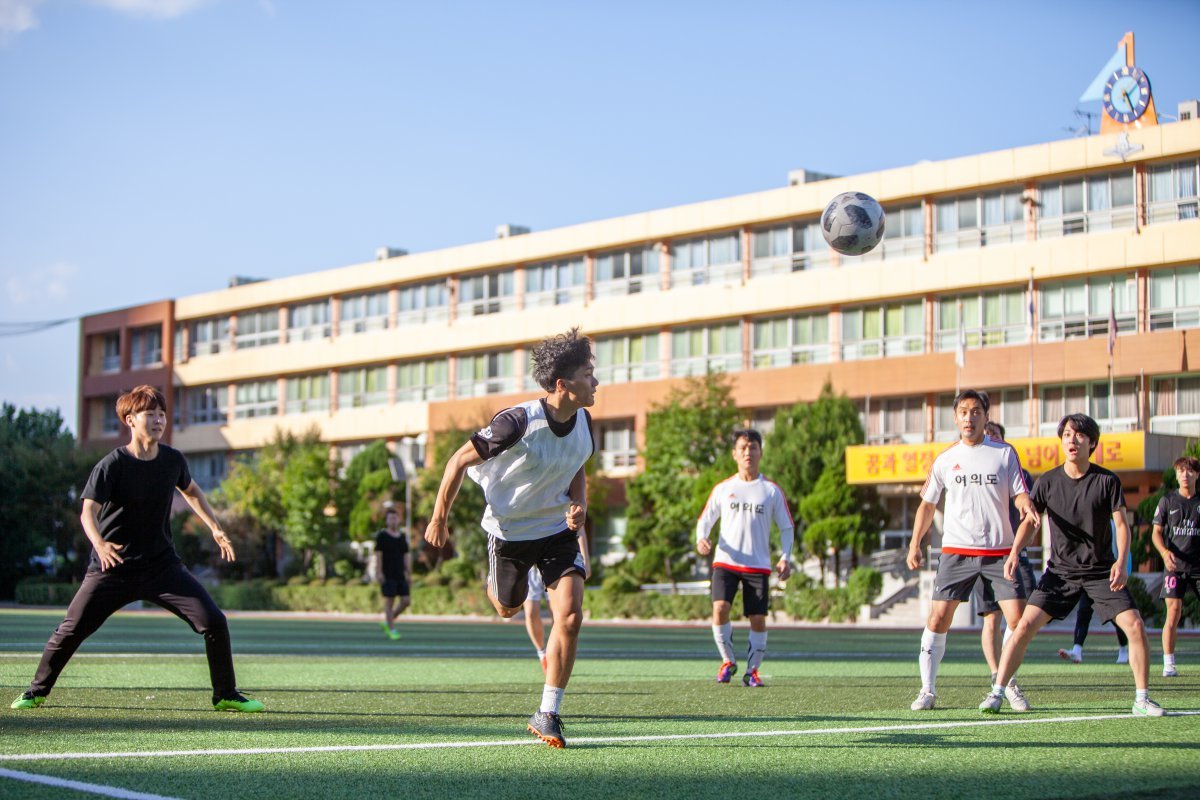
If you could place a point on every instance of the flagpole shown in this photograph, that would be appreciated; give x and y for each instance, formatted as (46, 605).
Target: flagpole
(960, 348)
(1112, 346)
(1030, 417)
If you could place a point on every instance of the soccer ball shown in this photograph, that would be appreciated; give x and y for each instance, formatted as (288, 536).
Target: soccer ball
(852, 223)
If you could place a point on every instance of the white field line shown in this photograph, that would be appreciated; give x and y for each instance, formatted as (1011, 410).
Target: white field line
(191, 651)
(254, 751)
(92, 788)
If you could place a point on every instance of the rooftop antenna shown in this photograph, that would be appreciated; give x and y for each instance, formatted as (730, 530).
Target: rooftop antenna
(1083, 123)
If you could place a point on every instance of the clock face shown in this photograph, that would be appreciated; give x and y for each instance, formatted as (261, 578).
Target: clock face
(1126, 94)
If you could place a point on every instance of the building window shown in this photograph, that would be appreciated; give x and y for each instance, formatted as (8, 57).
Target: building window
(208, 469)
(1175, 406)
(1175, 298)
(364, 312)
(206, 404)
(903, 236)
(987, 319)
(763, 420)
(711, 348)
(423, 380)
(208, 336)
(555, 283)
(895, 329)
(485, 373)
(1091, 399)
(979, 220)
(145, 347)
(424, 302)
(1080, 308)
(1171, 192)
(307, 393)
(111, 360)
(790, 247)
(256, 399)
(1009, 407)
(627, 272)
(110, 424)
(780, 342)
(713, 259)
(309, 321)
(621, 359)
(257, 328)
(618, 445)
(362, 387)
(893, 419)
(1087, 204)
(486, 294)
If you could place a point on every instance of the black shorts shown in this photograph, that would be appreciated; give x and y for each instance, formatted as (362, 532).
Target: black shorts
(755, 598)
(1176, 584)
(989, 605)
(394, 587)
(1058, 596)
(509, 563)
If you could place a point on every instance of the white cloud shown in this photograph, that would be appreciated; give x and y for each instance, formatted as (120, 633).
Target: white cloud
(50, 284)
(159, 9)
(16, 16)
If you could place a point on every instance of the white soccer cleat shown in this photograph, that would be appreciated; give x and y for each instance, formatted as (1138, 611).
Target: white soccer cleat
(925, 701)
(992, 702)
(1170, 672)
(1147, 708)
(1067, 655)
(1016, 698)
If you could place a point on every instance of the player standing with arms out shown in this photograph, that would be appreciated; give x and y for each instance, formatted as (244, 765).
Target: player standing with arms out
(980, 477)
(529, 462)
(393, 565)
(746, 504)
(1176, 536)
(126, 516)
(1084, 503)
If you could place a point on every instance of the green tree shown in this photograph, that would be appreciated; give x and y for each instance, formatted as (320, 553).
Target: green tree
(1142, 546)
(306, 496)
(687, 452)
(466, 535)
(360, 501)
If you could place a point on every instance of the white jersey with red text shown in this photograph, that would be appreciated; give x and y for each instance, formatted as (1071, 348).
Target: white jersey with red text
(979, 480)
(746, 509)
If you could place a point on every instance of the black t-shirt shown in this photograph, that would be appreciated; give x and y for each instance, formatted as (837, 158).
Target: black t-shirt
(135, 499)
(1080, 513)
(1179, 517)
(507, 428)
(393, 549)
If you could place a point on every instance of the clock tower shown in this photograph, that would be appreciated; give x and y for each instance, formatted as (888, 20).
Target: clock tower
(1123, 89)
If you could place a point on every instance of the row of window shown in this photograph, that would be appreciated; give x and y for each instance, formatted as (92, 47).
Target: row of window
(145, 349)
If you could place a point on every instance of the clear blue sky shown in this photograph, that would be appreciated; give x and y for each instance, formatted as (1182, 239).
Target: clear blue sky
(153, 148)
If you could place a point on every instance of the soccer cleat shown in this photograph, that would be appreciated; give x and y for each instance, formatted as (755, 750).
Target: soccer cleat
(751, 679)
(238, 702)
(726, 672)
(548, 726)
(925, 701)
(1147, 708)
(1016, 698)
(28, 700)
(1123, 655)
(393, 634)
(1067, 655)
(992, 702)
(1168, 672)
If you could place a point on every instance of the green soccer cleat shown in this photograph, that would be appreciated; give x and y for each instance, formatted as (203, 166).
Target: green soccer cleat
(28, 700)
(991, 703)
(239, 702)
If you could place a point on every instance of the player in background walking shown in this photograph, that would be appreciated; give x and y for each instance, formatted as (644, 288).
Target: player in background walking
(1176, 536)
(393, 566)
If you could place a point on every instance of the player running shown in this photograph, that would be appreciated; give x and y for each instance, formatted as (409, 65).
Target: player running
(746, 504)
(393, 566)
(980, 477)
(529, 462)
(533, 603)
(1176, 536)
(1084, 503)
(126, 516)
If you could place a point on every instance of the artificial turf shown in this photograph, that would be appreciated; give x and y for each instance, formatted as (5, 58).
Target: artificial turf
(140, 686)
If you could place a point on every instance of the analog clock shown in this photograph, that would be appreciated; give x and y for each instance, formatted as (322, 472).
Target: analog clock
(1126, 94)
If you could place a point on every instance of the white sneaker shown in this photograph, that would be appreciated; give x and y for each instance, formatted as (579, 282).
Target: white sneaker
(924, 702)
(1067, 655)
(1147, 708)
(992, 702)
(1170, 672)
(1123, 655)
(1016, 698)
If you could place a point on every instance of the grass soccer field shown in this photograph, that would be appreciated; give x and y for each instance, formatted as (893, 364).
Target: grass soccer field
(442, 713)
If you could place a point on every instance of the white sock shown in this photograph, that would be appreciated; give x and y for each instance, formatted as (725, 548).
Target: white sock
(1008, 633)
(541, 653)
(1077, 651)
(756, 650)
(933, 647)
(723, 636)
(551, 699)
(1168, 659)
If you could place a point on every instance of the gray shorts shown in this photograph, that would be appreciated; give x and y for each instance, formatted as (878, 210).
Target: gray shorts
(537, 587)
(1024, 577)
(957, 574)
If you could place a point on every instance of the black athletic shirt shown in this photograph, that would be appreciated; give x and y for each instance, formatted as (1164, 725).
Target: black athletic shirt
(507, 428)
(1080, 513)
(393, 550)
(135, 503)
(1179, 517)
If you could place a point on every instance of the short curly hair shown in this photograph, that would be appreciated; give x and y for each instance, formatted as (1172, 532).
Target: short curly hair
(559, 357)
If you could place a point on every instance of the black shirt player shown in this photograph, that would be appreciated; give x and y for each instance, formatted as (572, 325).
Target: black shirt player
(1176, 536)
(126, 516)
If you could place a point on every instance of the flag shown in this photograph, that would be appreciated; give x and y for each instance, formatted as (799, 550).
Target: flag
(1095, 90)
(1112, 322)
(960, 350)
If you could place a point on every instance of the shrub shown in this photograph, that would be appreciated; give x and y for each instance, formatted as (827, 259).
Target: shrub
(41, 592)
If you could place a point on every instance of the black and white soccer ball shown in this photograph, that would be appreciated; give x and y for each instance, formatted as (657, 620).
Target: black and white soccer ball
(852, 223)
